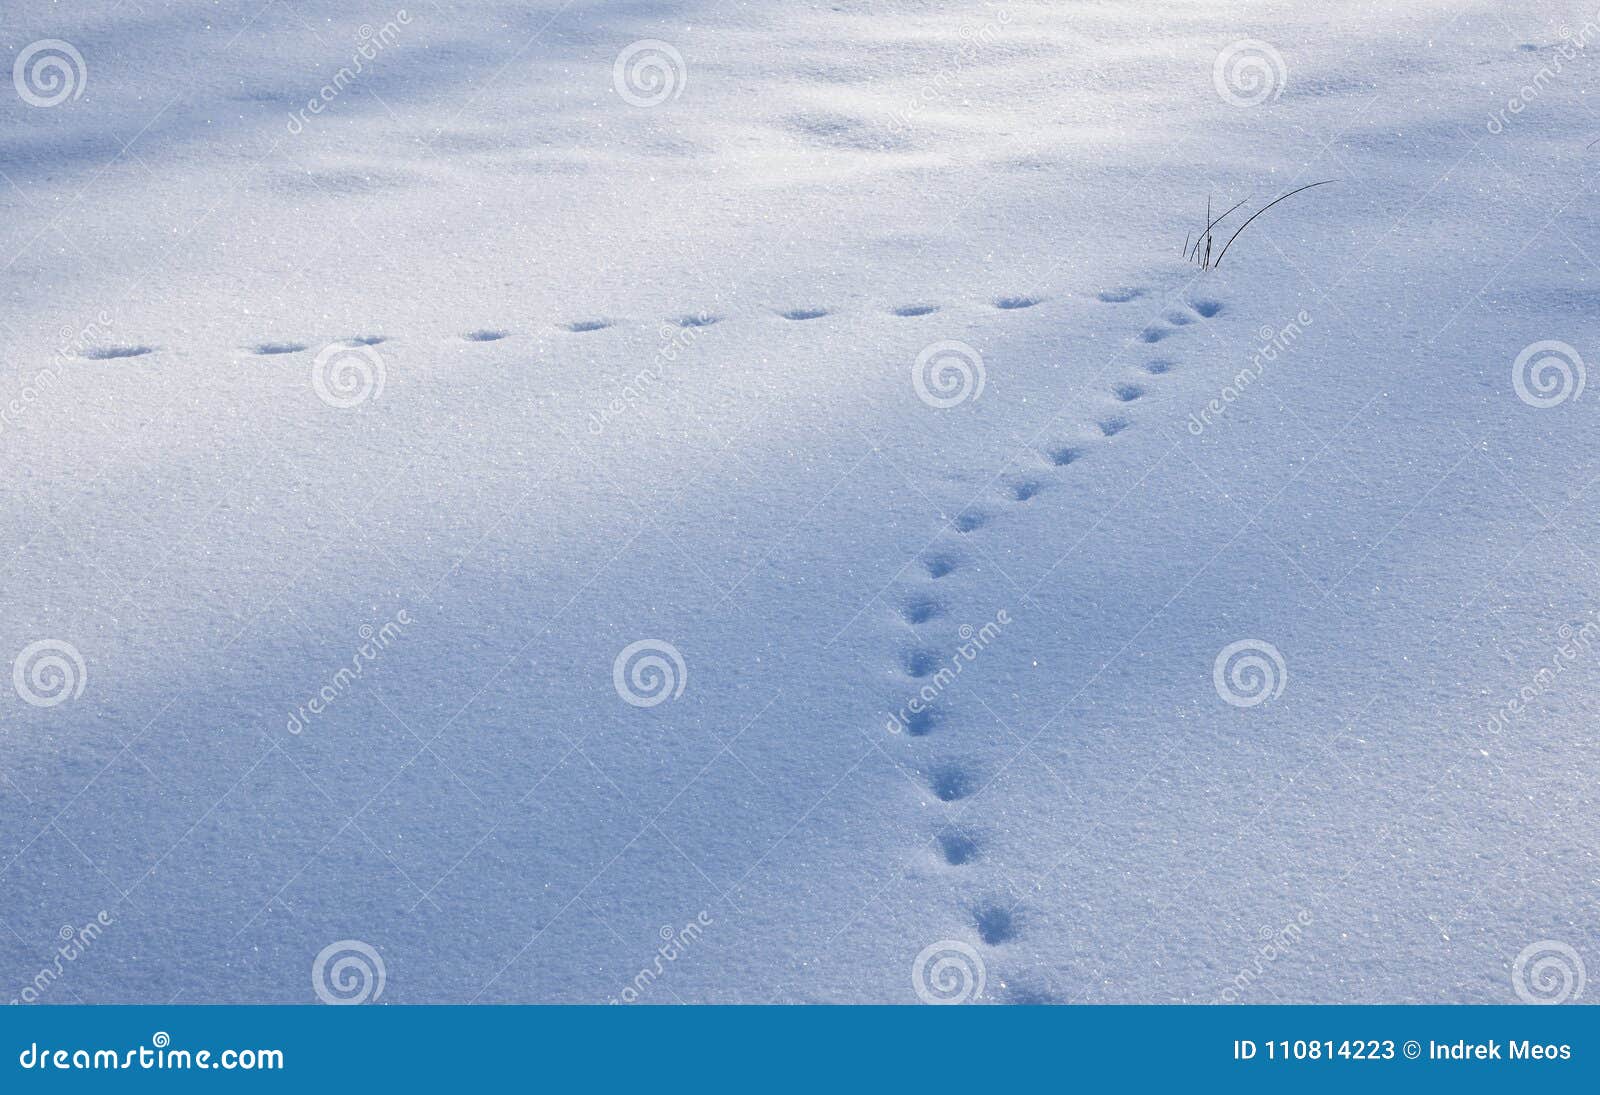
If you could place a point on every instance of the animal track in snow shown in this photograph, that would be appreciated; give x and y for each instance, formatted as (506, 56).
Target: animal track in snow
(996, 924)
(1011, 304)
(1023, 489)
(109, 353)
(1119, 296)
(919, 610)
(1116, 295)
(957, 847)
(953, 782)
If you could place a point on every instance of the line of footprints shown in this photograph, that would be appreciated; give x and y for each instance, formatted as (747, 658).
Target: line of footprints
(958, 845)
(701, 319)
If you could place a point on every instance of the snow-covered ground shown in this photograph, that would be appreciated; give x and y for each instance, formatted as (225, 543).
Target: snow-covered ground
(843, 355)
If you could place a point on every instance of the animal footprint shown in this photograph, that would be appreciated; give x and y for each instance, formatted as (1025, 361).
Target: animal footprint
(995, 924)
(957, 847)
(108, 353)
(1113, 426)
(1063, 456)
(270, 349)
(484, 336)
(583, 326)
(970, 520)
(1121, 295)
(916, 310)
(1023, 489)
(953, 782)
(804, 313)
(365, 340)
(703, 319)
(938, 566)
(920, 663)
(1156, 368)
(1127, 392)
(1155, 334)
(1206, 308)
(919, 724)
(920, 610)
(1012, 303)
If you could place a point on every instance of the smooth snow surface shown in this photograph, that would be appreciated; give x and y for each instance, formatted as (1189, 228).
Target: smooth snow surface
(493, 528)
